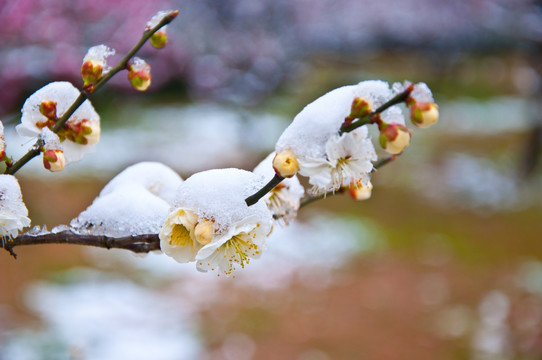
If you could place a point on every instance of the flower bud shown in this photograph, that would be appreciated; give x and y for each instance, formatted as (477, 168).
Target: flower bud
(204, 232)
(359, 192)
(48, 109)
(360, 108)
(394, 138)
(54, 160)
(140, 74)
(91, 71)
(424, 114)
(95, 64)
(159, 38)
(285, 163)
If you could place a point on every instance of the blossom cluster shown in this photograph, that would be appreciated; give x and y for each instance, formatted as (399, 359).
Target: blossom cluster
(217, 219)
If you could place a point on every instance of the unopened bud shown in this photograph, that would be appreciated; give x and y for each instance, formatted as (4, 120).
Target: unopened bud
(159, 38)
(285, 163)
(360, 108)
(359, 192)
(204, 232)
(95, 64)
(91, 71)
(48, 109)
(54, 160)
(140, 74)
(424, 114)
(394, 138)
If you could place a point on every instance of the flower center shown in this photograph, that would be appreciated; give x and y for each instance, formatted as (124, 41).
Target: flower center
(180, 236)
(240, 250)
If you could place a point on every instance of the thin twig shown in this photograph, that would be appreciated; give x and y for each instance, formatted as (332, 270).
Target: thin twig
(253, 199)
(136, 243)
(34, 151)
(397, 99)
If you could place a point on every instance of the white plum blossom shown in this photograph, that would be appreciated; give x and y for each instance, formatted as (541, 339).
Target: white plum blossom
(212, 225)
(136, 201)
(284, 200)
(13, 212)
(42, 109)
(329, 159)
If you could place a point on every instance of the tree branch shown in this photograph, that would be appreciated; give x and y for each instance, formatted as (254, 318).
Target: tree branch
(136, 243)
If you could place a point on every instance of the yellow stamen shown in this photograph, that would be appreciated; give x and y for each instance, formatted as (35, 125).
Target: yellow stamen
(180, 236)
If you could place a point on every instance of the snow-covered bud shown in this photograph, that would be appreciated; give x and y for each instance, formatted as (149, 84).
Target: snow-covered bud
(91, 72)
(424, 114)
(54, 160)
(358, 191)
(204, 232)
(285, 163)
(139, 74)
(360, 108)
(159, 38)
(394, 138)
(95, 64)
(48, 109)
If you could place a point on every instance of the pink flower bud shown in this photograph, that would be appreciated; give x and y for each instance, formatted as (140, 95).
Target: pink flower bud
(360, 108)
(91, 71)
(394, 138)
(139, 74)
(48, 109)
(54, 160)
(95, 64)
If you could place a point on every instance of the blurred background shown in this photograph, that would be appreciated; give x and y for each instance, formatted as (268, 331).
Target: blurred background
(443, 262)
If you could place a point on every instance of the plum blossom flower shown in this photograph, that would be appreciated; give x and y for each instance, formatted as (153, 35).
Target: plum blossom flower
(211, 223)
(348, 159)
(43, 108)
(13, 212)
(328, 159)
(284, 200)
